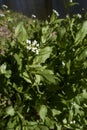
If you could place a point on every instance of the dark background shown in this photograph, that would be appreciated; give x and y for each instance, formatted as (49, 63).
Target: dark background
(43, 8)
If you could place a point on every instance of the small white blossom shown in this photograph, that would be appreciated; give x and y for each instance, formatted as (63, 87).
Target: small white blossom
(28, 48)
(83, 9)
(55, 12)
(34, 49)
(5, 6)
(72, 122)
(37, 45)
(63, 63)
(34, 42)
(33, 16)
(28, 41)
(73, 49)
(32, 46)
(2, 15)
(79, 15)
(37, 52)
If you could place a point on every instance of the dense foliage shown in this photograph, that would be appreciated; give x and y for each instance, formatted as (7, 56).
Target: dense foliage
(43, 73)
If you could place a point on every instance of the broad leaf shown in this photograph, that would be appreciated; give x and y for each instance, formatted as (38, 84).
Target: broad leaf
(81, 34)
(43, 112)
(43, 56)
(20, 32)
(10, 111)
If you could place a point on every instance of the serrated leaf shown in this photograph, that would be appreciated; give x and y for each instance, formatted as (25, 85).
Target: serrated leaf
(43, 112)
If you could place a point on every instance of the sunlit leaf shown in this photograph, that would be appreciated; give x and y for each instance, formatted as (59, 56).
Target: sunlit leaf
(20, 32)
(10, 111)
(81, 34)
(55, 112)
(43, 112)
(43, 56)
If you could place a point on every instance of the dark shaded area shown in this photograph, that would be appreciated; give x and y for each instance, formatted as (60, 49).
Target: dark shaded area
(40, 8)
(43, 8)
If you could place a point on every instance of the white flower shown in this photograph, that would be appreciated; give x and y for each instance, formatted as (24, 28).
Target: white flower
(55, 12)
(72, 122)
(63, 63)
(73, 49)
(33, 46)
(37, 52)
(37, 45)
(33, 16)
(83, 9)
(28, 41)
(79, 15)
(4, 6)
(34, 42)
(2, 15)
(34, 49)
(29, 47)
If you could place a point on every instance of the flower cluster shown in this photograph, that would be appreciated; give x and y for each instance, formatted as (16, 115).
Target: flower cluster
(33, 46)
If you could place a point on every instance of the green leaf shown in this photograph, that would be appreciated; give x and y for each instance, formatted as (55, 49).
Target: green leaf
(83, 54)
(49, 76)
(26, 77)
(8, 74)
(49, 122)
(45, 29)
(81, 34)
(20, 32)
(43, 56)
(43, 112)
(68, 65)
(73, 4)
(17, 58)
(55, 112)
(44, 128)
(3, 69)
(71, 114)
(84, 94)
(62, 32)
(10, 111)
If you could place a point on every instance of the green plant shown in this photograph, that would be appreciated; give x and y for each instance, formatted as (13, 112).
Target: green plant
(43, 68)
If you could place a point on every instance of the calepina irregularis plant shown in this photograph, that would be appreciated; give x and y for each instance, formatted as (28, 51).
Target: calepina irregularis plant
(43, 73)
